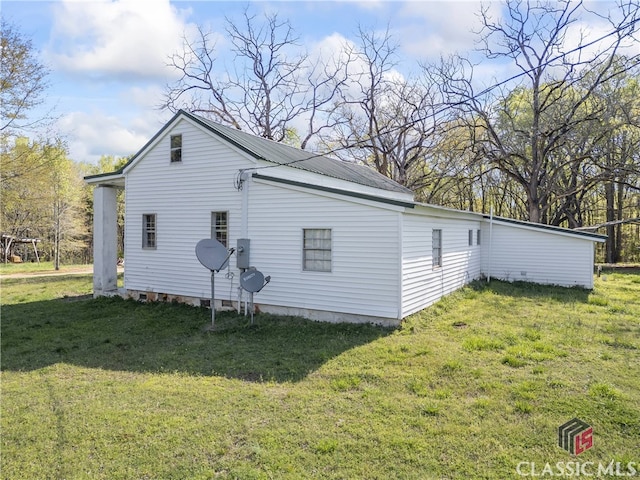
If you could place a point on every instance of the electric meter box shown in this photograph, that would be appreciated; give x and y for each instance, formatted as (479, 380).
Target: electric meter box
(242, 253)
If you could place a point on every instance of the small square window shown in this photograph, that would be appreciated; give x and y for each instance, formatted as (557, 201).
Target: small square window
(176, 148)
(316, 249)
(149, 230)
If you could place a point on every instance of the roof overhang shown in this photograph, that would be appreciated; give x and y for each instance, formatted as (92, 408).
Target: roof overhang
(446, 212)
(594, 237)
(336, 191)
(113, 179)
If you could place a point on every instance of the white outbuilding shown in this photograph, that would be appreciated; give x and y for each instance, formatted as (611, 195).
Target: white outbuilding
(340, 241)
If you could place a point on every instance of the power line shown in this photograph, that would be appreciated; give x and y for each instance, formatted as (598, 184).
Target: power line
(472, 97)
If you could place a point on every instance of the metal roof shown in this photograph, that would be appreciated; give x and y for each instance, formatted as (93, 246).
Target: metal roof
(281, 154)
(552, 228)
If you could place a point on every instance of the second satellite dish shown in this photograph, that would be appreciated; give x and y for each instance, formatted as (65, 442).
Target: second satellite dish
(212, 254)
(253, 281)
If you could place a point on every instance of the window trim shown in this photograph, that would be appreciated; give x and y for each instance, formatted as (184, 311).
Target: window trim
(177, 150)
(147, 231)
(436, 251)
(305, 250)
(214, 226)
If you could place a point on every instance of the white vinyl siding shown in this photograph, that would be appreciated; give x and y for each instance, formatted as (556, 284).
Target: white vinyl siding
(380, 256)
(514, 252)
(364, 252)
(422, 285)
(364, 239)
(184, 203)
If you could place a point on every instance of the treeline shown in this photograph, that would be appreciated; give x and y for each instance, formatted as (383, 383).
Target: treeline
(558, 142)
(44, 197)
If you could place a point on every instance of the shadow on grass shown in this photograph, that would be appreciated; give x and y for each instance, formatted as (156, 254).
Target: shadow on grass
(533, 291)
(115, 334)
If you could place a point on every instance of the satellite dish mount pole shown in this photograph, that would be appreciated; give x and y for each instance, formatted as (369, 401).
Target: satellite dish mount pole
(213, 304)
(214, 256)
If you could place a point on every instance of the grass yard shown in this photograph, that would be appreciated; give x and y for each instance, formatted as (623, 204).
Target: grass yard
(111, 389)
(32, 267)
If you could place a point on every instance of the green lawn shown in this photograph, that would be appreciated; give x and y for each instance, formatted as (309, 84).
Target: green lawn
(32, 267)
(111, 389)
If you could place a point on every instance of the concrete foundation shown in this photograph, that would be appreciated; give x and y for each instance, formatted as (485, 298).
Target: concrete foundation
(318, 315)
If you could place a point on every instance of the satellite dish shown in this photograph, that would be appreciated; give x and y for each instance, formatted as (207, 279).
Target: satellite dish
(252, 281)
(212, 254)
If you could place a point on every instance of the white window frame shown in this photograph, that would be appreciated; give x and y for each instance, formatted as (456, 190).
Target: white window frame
(317, 250)
(176, 151)
(220, 231)
(149, 231)
(436, 248)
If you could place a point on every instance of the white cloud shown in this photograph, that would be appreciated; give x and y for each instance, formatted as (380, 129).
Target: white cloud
(91, 135)
(121, 38)
(437, 28)
(594, 36)
(148, 97)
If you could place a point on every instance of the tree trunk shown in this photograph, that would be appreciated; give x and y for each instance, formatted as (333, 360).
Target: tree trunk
(610, 217)
(534, 205)
(56, 238)
(619, 215)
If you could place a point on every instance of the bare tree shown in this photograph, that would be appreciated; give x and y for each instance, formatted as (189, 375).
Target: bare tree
(521, 127)
(389, 121)
(271, 88)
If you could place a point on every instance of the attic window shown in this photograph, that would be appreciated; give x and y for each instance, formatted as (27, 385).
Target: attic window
(176, 148)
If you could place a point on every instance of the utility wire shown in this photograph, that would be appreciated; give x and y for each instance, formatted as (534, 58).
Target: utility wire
(456, 104)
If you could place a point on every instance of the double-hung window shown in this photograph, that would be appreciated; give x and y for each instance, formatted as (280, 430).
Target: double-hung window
(220, 227)
(176, 148)
(316, 249)
(149, 230)
(436, 248)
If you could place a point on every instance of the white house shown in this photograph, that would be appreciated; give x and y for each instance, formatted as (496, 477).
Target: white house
(340, 241)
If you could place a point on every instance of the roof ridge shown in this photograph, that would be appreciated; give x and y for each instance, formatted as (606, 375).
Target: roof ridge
(266, 149)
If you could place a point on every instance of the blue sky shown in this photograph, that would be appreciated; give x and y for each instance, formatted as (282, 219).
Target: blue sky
(107, 59)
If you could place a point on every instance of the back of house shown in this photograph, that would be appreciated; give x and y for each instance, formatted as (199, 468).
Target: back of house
(340, 241)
